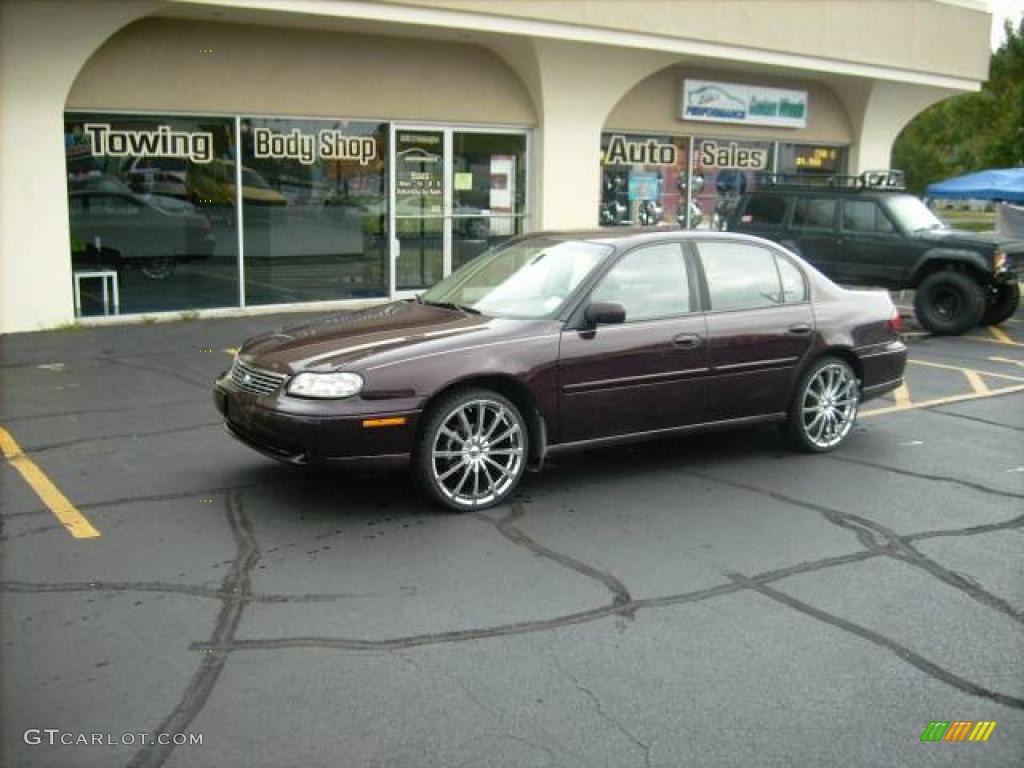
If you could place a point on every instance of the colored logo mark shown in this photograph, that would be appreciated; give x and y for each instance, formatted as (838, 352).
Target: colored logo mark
(958, 730)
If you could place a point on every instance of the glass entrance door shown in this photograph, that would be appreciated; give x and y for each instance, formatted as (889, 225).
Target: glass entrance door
(455, 193)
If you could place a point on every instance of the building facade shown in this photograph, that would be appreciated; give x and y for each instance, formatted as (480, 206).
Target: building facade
(236, 155)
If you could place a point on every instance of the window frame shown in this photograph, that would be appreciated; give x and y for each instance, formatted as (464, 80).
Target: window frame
(693, 287)
(705, 285)
(895, 231)
(836, 213)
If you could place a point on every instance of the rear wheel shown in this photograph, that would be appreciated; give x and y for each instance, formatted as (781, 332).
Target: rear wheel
(472, 450)
(824, 407)
(1002, 303)
(949, 303)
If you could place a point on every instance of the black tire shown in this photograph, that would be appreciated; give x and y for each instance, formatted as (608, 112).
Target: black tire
(1002, 303)
(802, 425)
(949, 303)
(477, 456)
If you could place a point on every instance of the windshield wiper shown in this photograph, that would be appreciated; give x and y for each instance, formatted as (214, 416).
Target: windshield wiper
(453, 305)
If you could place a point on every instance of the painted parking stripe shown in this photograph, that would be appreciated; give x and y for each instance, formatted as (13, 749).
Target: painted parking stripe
(902, 396)
(962, 369)
(1000, 335)
(941, 401)
(974, 379)
(69, 516)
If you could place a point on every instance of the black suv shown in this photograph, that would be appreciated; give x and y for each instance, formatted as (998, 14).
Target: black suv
(867, 230)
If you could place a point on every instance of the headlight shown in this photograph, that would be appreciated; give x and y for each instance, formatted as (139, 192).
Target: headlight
(999, 262)
(325, 385)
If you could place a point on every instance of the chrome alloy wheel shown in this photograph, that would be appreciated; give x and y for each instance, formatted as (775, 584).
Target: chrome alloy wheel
(829, 406)
(477, 453)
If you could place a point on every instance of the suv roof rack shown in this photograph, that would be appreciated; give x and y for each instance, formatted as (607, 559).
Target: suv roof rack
(891, 179)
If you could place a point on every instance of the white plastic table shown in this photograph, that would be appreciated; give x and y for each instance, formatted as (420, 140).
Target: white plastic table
(108, 289)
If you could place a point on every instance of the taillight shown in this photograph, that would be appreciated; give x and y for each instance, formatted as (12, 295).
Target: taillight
(895, 322)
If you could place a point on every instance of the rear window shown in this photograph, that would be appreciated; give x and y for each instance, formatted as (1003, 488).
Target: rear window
(766, 210)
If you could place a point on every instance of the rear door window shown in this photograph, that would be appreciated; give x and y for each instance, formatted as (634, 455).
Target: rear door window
(740, 275)
(814, 213)
(865, 216)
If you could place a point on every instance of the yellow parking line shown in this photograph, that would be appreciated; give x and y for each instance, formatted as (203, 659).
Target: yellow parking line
(947, 367)
(1009, 360)
(975, 381)
(62, 508)
(902, 396)
(232, 351)
(941, 401)
(1000, 335)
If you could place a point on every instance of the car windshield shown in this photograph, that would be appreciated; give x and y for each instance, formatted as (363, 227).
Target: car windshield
(531, 278)
(913, 214)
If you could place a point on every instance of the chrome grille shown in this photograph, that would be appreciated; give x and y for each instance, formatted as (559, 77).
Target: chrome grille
(255, 380)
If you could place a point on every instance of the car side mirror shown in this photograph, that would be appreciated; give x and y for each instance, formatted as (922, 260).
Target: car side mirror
(604, 313)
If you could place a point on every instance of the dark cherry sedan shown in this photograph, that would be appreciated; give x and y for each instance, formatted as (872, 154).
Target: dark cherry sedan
(560, 341)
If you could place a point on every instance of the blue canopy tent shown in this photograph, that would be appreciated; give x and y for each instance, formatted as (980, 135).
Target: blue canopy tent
(1006, 184)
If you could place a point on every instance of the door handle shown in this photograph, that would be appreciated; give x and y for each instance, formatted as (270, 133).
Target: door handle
(687, 340)
(800, 328)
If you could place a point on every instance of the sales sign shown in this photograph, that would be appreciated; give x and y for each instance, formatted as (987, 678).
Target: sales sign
(748, 104)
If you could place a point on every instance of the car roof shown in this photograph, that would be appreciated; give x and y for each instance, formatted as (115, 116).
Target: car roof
(626, 237)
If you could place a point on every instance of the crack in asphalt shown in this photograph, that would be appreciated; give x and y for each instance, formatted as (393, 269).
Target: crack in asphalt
(236, 586)
(911, 657)
(177, 376)
(924, 476)
(128, 435)
(976, 419)
(27, 587)
(507, 527)
(602, 712)
(112, 409)
(895, 546)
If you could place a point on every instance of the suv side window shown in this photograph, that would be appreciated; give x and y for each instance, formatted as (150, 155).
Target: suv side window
(865, 216)
(649, 283)
(740, 275)
(766, 210)
(814, 212)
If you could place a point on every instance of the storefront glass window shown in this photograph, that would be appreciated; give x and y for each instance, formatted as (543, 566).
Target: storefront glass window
(811, 159)
(314, 209)
(140, 208)
(643, 180)
(723, 170)
(489, 188)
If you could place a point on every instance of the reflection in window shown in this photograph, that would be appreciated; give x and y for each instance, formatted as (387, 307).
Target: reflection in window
(649, 283)
(740, 276)
(794, 287)
(314, 227)
(814, 213)
(643, 180)
(766, 210)
(865, 216)
(136, 208)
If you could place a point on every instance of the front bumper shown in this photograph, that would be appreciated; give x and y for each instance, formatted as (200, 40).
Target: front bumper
(316, 432)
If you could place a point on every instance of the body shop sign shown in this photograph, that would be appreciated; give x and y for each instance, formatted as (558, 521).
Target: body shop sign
(747, 104)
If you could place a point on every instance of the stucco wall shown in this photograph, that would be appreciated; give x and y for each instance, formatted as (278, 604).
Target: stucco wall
(161, 64)
(919, 35)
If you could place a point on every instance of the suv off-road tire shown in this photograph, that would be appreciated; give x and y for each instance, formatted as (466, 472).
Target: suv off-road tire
(949, 303)
(1002, 303)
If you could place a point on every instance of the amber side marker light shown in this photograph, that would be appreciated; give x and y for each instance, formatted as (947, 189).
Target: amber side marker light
(896, 322)
(394, 421)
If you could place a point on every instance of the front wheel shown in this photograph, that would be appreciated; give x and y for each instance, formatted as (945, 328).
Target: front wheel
(471, 453)
(949, 303)
(824, 407)
(1001, 304)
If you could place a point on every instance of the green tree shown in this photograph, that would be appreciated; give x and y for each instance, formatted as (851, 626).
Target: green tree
(971, 132)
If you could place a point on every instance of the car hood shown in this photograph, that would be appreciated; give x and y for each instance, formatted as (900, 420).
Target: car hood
(351, 340)
(963, 237)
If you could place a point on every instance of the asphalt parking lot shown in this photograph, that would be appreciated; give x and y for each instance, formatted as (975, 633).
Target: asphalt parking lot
(715, 601)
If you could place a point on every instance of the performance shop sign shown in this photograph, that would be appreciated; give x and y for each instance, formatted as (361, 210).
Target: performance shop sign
(745, 104)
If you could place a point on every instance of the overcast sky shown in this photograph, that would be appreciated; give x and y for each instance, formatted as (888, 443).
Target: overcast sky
(1001, 11)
